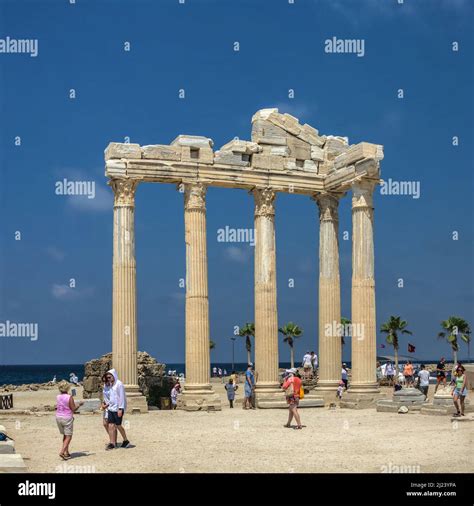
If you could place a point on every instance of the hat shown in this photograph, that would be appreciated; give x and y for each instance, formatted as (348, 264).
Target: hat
(291, 371)
(344, 363)
(250, 364)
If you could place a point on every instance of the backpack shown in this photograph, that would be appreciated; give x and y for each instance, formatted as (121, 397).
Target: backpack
(4, 437)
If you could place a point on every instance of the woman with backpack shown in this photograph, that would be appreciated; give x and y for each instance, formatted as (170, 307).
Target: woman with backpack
(292, 387)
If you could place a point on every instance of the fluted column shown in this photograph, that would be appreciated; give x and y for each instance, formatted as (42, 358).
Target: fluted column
(124, 296)
(266, 317)
(329, 293)
(364, 348)
(197, 302)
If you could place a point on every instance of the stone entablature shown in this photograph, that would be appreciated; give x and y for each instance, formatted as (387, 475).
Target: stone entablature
(283, 154)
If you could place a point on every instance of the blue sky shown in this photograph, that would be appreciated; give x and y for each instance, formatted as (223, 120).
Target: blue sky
(134, 94)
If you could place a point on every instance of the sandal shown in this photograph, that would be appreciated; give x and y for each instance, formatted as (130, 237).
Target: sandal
(298, 427)
(64, 457)
(287, 425)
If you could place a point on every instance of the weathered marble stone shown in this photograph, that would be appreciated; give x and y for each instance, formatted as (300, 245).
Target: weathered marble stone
(161, 152)
(122, 150)
(238, 146)
(193, 141)
(228, 157)
(317, 154)
(280, 151)
(310, 166)
(267, 162)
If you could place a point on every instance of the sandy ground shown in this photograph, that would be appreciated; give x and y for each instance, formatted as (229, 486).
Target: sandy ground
(235, 440)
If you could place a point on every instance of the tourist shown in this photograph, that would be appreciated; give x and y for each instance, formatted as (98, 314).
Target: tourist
(344, 377)
(424, 380)
(314, 362)
(389, 372)
(379, 373)
(340, 389)
(408, 373)
(174, 395)
(440, 373)
(105, 402)
(307, 365)
(214, 371)
(460, 392)
(219, 372)
(234, 377)
(397, 386)
(65, 408)
(292, 386)
(116, 409)
(225, 372)
(54, 379)
(231, 387)
(249, 387)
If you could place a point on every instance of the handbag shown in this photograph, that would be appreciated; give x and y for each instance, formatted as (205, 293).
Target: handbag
(290, 391)
(301, 392)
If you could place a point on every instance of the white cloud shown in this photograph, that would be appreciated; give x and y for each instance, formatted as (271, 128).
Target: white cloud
(55, 253)
(65, 292)
(102, 201)
(239, 255)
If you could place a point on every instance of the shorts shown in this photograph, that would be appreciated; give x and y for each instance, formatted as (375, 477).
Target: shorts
(114, 418)
(247, 390)
(408, 377)
(424, 389)
(293, 401)
(459, 393)
(440, 378)
(65, 425)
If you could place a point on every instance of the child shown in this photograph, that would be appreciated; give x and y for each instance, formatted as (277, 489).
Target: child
(65, 408)
(340, 389)
(231, 388)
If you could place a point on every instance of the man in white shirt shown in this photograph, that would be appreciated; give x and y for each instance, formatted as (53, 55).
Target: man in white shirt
(424, 380)
(307, 365)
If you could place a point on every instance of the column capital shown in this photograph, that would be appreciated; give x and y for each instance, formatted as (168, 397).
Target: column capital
(264, 201)
(328, 204)
(362, 193)
(124, 191)
(195, 196)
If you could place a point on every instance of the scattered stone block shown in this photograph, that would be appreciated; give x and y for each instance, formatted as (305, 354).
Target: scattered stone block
(90, 405)
(230, 158)
(193, 141)
(7, 447)
(238, 146)
(122, 150)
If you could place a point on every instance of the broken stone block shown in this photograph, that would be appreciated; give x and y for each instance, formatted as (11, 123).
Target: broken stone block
(198, 155)
(161, 152)
(360, 151)
(290, 164)
(317, 154)
(12, 463)
(299, 149)
(286, 122)
(193, 141)
(7, 447)
(263, 114)
(334, 147)
(262, 128)
(267, 162)
(272, 140)
(238, 146)
(122, 150)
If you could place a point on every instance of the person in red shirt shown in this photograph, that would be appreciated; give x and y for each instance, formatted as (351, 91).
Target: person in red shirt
(292, 386)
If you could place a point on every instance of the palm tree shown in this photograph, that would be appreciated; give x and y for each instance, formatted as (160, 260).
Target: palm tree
(391, 328)
(248, 331)
(290, 332)
(212, 345)
(455, 327)
(344, 322)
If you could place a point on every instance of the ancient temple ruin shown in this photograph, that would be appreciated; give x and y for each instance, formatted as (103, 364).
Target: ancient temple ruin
(283, 156)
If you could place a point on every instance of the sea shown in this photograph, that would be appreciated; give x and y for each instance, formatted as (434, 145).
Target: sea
(24, 374)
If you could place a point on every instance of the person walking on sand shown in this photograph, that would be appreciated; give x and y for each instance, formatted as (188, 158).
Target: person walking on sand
(424, 380)
(231, 387)
(440, 373)
(390, 373)
(340, 389)
(174, 395)
(116, 410)
(292, 387)
(249, 387)
(314, 363)
(460, 391)
(105, 402)
(65, 409)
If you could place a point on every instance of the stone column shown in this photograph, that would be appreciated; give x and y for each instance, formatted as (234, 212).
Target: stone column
(364, 347)
(198, 393)
(267, 390)
(329, 295)
(124, 296)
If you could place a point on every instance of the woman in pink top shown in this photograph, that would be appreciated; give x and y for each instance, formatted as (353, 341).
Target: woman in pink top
(65, 408)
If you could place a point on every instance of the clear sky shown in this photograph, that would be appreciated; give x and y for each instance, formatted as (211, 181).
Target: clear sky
(46, 136)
